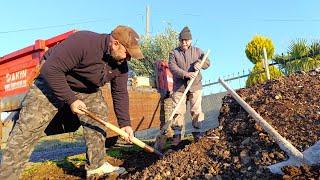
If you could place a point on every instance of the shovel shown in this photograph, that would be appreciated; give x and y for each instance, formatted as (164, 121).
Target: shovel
(161, 139)
(296, 158)
(122, 133)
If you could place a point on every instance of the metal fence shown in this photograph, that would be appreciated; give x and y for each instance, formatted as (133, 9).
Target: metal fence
(235, 80)
(287, 66)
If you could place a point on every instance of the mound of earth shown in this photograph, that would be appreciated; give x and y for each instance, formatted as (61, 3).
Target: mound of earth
(239, 148)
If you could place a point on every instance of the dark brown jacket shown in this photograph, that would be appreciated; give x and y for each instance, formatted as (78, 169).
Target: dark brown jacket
(82, 63)
(181, 62)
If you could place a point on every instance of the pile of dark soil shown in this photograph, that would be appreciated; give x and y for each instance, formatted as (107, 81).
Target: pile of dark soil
(290, 105)
(240, 148)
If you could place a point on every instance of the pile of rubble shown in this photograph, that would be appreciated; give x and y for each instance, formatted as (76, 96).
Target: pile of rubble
(239, 148)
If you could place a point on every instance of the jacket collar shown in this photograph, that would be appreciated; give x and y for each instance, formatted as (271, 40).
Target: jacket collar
(181, 50)
(106, 48)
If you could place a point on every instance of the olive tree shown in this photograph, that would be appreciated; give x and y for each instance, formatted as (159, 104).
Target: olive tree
(154, 48)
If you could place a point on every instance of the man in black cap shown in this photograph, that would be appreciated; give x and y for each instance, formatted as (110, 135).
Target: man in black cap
(183, 62)
(71, 76)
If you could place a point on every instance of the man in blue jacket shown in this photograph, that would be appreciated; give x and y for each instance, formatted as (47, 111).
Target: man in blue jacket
(71, 76)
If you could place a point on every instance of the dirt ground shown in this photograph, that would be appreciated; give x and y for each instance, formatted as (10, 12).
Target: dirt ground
(243, 150)
(239, 148)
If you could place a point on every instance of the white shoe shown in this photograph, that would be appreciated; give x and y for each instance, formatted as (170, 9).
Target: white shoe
(106, 168)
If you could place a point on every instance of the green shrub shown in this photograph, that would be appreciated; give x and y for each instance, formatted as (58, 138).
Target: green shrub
(305, 64)
(254, 49)
(262, 77)
(300, 57)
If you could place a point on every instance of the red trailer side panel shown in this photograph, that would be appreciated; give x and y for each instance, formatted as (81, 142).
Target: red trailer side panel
(19, 68)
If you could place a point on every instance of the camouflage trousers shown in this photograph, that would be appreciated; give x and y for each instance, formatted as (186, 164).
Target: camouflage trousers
(38, 109)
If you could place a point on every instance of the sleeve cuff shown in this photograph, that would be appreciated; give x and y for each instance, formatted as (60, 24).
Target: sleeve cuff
(184, 75)
(71, 100)
(124, 123)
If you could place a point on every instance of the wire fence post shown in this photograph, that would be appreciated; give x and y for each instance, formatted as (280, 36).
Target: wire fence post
(266, 64)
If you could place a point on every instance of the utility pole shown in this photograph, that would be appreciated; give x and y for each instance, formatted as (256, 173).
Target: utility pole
(147, 20)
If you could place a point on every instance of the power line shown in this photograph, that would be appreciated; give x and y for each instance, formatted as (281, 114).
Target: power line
(183, 14)
(53, 26)
(285, 20)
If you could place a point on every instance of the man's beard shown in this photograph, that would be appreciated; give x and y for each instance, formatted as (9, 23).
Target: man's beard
(117, 57)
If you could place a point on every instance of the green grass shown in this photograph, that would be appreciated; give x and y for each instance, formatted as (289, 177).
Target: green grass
(72, 163)
(65, 140)
(69, 164)
(33, 168)
(57, 143)
(118, 152)
(76, 159)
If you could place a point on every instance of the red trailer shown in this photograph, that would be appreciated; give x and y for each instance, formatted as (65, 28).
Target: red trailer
(19, 68)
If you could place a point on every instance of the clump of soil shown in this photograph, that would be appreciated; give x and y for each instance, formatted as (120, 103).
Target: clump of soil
(302, 172)
(244, 149)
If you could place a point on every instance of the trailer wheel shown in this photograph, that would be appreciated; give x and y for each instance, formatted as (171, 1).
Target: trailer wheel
(111, 141)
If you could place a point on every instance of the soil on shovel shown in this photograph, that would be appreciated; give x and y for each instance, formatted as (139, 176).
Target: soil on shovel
(239, 148)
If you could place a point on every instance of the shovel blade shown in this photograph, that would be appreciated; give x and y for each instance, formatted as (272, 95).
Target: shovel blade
(160, 142)
(277, 168)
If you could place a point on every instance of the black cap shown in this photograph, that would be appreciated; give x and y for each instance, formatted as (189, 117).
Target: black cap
(185, 34)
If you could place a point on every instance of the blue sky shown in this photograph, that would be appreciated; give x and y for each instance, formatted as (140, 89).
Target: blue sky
(224, 27)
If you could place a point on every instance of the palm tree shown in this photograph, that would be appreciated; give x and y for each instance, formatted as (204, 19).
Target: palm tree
(298, 49)
(314, 48)
(301, 57)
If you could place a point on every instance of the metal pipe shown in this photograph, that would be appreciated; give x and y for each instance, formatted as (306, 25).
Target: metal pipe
(281, 141)
(266, 64)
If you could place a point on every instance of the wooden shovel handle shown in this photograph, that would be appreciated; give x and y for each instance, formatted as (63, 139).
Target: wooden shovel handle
(121, 132)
